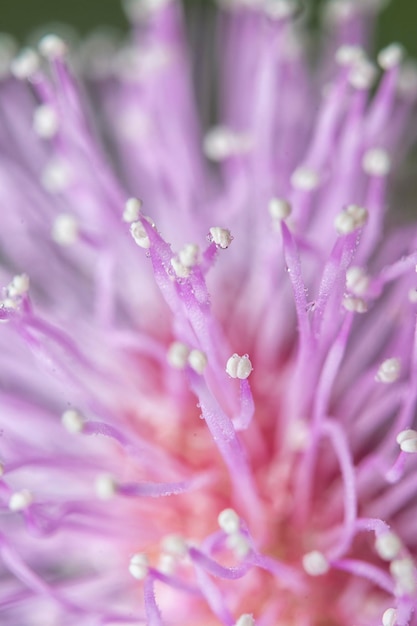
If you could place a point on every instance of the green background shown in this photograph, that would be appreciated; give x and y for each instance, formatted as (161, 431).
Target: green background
(19, 17)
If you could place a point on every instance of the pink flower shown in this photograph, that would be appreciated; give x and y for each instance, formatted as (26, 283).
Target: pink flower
(217, 430)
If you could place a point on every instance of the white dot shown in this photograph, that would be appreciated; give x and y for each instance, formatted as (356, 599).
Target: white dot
(348, 55)
(376, 162)
(315, 563)
(197, 361)
(189, 254)
(56, 176)
(239, 367)
(305, 179)
(18, 286)
(140, 235)
(229, 521)
(350, 219)
(180, 270)
(388, 545)
(279, 209)
(391, 56)
(65, 229)
(362, 75)
(20, 500)
(139, 566)
(221, 237)
(25, 65)
(73, 421)
(389, 617)
(407, 440)
(357, 281)
(403, 572)
(175, 545)
(245, 620)
(105, 487)
(389, 371)
(51, 46)
(354, 305)
(45, 121)
(178, 354)
(132, 210)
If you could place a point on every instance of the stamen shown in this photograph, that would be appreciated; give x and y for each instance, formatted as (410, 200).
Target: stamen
(407, 440)
(175, 545)
(20, 500)
(52, 47)
(221, 237)
(348, 55)
(220, 143)
(281, 9)
(132, 210)
(65, 229)
(25, 65)
(388, 546)
(105, 487)
(56, 176)
(73, 421)
(178, 354)
(239, 366)
(389, 617)
(197, 360)
(376, 162)
(279, 209)
(138, 10)
(245, 620)
(139, 566)
(362, 75)
(189, 254)
(355, 305)
(391, 56)
(315, 563)
(412, 295)
(389, 371)
(45, 121)
(229, 521)
(357, 281)
(180, 270)
(305, 179)
(402, 571)
(18, 286)
(140, 235)
(350, 219)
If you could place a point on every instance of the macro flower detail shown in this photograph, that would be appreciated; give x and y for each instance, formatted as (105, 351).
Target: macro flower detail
(208, 381)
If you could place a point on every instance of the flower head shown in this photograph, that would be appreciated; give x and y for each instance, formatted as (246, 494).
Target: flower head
(207, 396)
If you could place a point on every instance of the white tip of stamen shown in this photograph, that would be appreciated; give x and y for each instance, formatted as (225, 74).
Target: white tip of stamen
(305, 179)
(20, 500)
(357, 281)
(239, 545)
(348, 55)
(229, 521)
(355, 305)
(389, 371)
(239, 366)
(197, 360)
(72, 421)
(178, 354)
(222, 237)
(350, 219)
(52, 47)
(181, 271)
(402, 571)
(412, 295)
(391, 56)
(315, 563)
(174, 545)
(280, 9)
(132, 210)
(140, 235)
(139, 566)
(45, 121)
(389, 617)
(245, 620)
(138, 10)
(56, 176)
(25, 65)
(105, 486)
(18, 286)
(298, 435)
(388, 546)
(221, 143)
(65, 229)
(167, 564)
(407, 440)
(362, 75)
(189, 254)
(279, 209)
(376, 162)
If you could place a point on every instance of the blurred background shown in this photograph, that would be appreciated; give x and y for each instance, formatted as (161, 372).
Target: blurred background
(21, 17)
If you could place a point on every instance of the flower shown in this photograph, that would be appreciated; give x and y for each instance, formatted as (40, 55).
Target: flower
(218, 429)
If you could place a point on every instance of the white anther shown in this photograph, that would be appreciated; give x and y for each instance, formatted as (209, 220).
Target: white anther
(315, 563)
(132, 210)
(65, 229)
(178, 354)
(239, 366)
(56, 176)
(180, 270)
(139, 566)
(350, 219)
(355, 305)
(245, 620)
(222, 237)
(52, 47)
(376, 162)
(279, 209)
(348, 55)
(389, 371)
(18, 286)
(388, 546)
(197, 360)
(362, 75)
(45, 121)
(239, 545)
(105, 486)
(189, 254)
(407, 440)
(175, 545)
(305, 179)
(229, 521)
(26, 64)
(403, 572)
(338, 11)
(412, 295)
(9, 303)
(280, 9)
(357, 281)
(20, 500)
(389, 617)
(73, 421)
(138, 10)
(221, 143)
(391, 56)
(298, 435)
(139, 234)
(167, 564)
